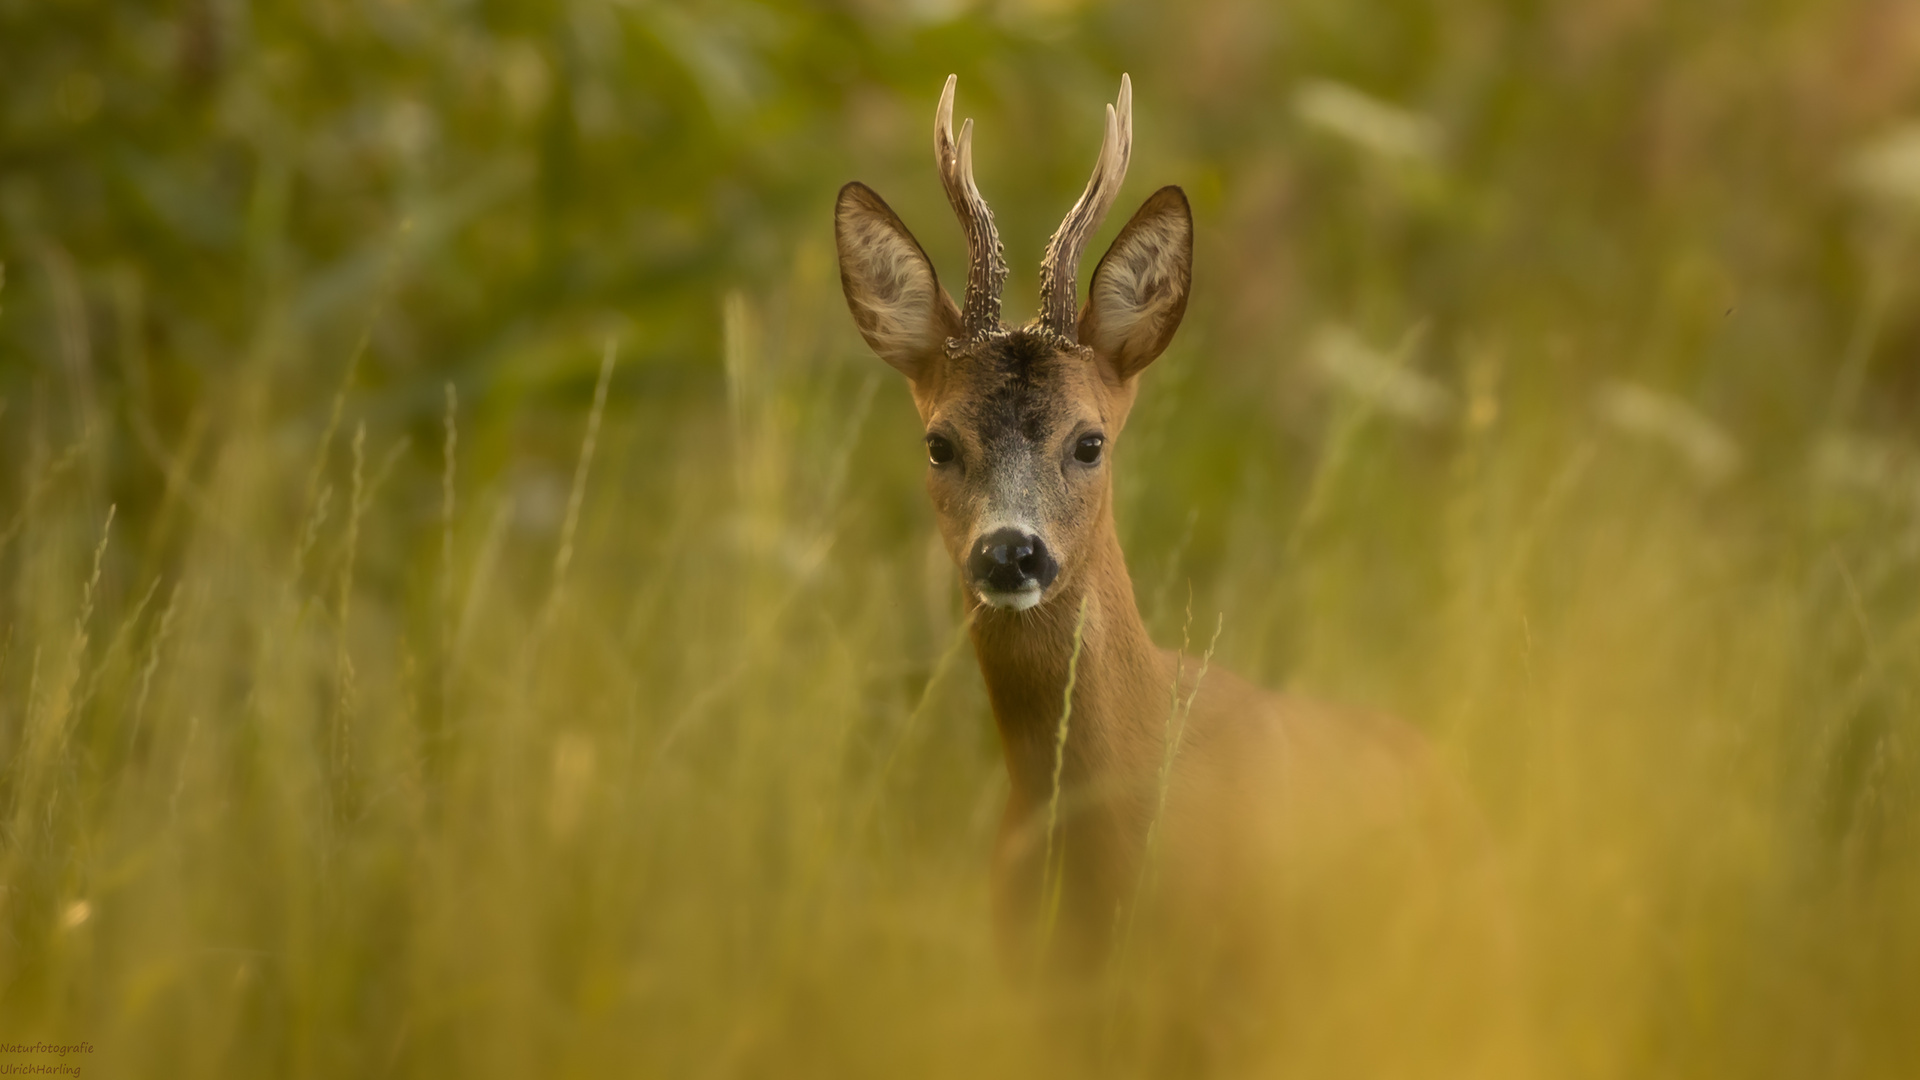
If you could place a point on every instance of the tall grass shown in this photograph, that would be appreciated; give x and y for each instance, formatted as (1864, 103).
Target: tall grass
(408, 668)
(678, 773)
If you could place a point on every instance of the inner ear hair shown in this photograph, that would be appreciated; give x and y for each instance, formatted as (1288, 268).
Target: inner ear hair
(1139, 291)
(890, 285)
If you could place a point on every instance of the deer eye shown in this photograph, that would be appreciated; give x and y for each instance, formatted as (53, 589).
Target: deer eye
(939, 449)
(1087, 450)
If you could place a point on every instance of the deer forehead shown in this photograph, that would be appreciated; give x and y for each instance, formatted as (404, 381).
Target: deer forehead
(1019, 387)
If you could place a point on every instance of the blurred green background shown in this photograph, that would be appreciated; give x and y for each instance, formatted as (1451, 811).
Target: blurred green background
(375, 702)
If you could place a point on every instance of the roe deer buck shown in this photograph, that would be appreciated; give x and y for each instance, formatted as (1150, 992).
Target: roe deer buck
(1285, 832)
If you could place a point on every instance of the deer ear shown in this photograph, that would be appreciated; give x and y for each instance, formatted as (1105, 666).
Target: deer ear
(1139, 290)
(896, 299)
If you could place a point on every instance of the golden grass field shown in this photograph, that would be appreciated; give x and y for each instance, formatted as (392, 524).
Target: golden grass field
(470, 608)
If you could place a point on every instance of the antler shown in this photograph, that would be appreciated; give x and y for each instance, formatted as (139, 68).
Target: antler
(986, 269)
(1062, 262)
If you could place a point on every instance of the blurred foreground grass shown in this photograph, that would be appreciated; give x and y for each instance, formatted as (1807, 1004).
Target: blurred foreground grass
(1549, 381)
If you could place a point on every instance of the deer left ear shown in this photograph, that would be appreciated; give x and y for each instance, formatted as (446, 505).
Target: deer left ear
(891, 288)
(1139, 290)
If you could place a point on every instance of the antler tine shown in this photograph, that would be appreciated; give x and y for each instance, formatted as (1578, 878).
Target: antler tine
(1062, 262)
(986, 266)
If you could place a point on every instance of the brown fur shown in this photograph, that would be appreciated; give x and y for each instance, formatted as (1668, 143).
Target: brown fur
(1307, 864)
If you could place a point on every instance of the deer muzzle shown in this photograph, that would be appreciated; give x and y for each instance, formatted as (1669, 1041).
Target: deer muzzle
(1011, 568)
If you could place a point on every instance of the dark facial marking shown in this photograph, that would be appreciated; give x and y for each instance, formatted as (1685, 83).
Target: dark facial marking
(1017, 403)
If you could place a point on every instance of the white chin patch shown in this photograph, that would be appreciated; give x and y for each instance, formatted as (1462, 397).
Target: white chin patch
(1017, 600)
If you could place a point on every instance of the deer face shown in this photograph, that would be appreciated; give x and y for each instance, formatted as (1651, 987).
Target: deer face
(1018, 434)
(1020, 423)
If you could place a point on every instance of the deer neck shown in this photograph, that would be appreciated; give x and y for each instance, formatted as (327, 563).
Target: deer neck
(1120, 684)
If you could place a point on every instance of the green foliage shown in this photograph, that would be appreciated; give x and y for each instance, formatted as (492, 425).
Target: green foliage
(1548, 381)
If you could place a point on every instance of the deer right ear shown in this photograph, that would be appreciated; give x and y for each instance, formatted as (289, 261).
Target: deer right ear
(896, 299)
(1139, 290)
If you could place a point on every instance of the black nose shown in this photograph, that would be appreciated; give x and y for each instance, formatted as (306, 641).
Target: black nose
(1007, 560)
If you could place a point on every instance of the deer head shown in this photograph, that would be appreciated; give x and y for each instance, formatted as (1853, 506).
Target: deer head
(1021, 422)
